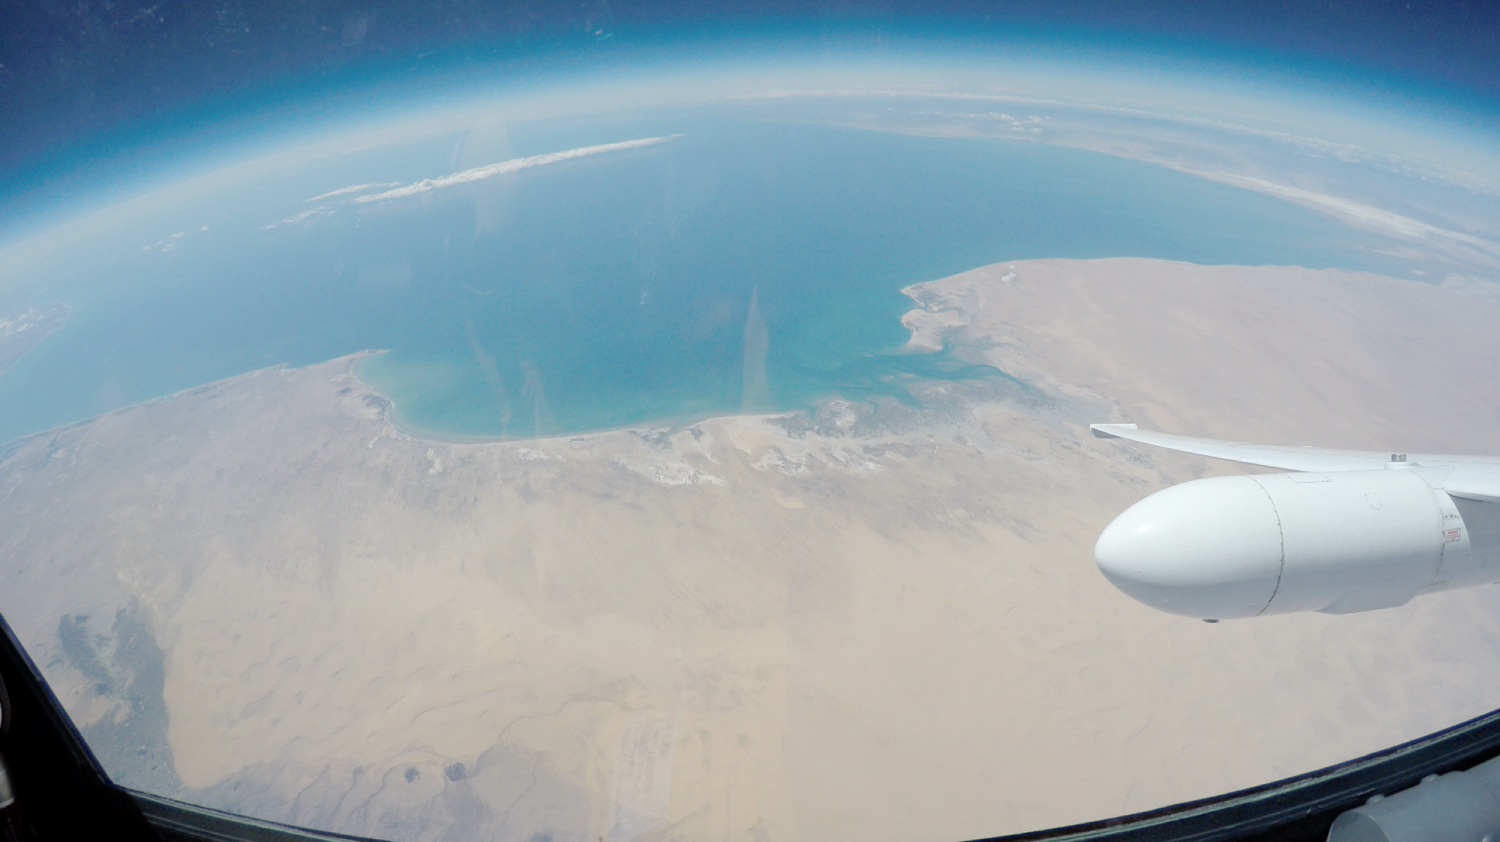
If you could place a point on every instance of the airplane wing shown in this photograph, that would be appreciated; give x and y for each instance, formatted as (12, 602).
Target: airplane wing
(1472, 477)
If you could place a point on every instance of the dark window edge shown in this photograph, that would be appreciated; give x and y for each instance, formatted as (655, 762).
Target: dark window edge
(178, 820)
(1300, 807)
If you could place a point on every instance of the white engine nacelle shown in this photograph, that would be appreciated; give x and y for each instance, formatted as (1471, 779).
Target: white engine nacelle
(1275, 543)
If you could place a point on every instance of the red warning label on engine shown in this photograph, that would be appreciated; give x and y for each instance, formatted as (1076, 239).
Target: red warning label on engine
(1453, 535)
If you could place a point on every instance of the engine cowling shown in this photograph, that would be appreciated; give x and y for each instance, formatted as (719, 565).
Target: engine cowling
(1243, 546)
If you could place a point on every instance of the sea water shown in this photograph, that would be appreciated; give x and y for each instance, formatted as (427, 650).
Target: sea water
(740, 266)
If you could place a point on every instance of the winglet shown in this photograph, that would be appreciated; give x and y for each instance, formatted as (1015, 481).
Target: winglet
(1106, 431)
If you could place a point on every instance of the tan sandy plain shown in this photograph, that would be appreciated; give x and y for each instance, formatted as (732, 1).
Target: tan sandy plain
(748, 629)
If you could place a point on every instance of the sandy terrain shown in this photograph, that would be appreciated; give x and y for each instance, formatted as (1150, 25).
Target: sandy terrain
(875, 624)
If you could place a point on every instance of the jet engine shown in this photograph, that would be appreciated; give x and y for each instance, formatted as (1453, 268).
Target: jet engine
(1244, 546)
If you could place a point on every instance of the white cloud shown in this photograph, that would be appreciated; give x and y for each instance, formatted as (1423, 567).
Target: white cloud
(167, 243)
(298, 217)
(513, 165)
(355, 189)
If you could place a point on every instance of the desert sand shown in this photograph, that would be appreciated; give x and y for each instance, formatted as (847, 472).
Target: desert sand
(874, 623)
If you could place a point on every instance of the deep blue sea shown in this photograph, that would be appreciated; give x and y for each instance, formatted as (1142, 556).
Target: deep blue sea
(613, 289)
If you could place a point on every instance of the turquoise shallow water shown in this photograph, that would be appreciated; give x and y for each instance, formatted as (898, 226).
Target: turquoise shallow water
(617, 289)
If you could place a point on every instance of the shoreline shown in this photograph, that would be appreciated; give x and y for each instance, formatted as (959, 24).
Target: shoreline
(389, 417)
(642, 428)
(352, 359)
(390, 414)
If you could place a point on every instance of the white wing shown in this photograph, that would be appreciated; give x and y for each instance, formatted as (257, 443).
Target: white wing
(1472, 477)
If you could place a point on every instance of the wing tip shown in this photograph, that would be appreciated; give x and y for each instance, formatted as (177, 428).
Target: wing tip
(1106, 431)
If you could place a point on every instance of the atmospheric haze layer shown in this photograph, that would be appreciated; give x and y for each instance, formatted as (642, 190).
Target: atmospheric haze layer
(716, 464)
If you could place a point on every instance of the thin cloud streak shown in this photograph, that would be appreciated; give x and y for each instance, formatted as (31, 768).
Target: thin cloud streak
(513, 165)
(355, 189)
(298, 217)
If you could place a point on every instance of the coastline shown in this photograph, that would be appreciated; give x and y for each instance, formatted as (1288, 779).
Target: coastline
(390, 416)
(349, 359)
(917, 328)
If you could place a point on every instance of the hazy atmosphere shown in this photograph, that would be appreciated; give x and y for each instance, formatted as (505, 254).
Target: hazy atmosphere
(578, 441)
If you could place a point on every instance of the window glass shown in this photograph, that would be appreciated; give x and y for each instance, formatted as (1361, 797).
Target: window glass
(701, 450)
